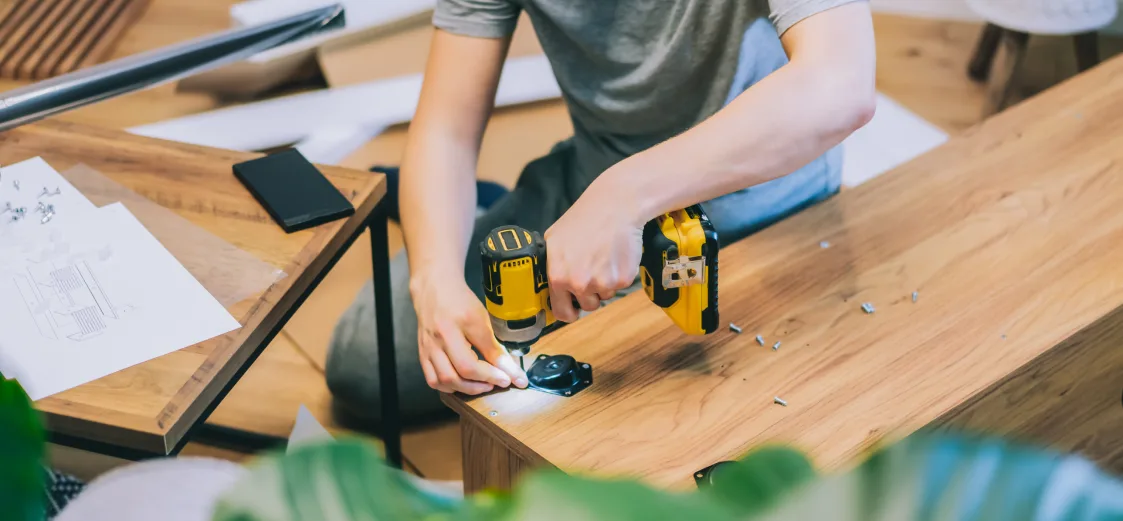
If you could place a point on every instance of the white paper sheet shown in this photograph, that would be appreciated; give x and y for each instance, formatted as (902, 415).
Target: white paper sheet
(373, 105)
(359, 15)
(33, 176)
(307, 430)
(90, 297)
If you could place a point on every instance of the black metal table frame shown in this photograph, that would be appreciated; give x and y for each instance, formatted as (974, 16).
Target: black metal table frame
(252, 442)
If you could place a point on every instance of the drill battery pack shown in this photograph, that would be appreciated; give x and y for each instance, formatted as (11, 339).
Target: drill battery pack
(679, 268)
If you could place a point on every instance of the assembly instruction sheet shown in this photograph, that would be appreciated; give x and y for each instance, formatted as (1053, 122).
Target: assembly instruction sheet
(29, 189)
(92, 294)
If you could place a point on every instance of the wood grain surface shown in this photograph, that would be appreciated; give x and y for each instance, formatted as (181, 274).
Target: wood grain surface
(1011, 233)
(151, 405)
(488, 461)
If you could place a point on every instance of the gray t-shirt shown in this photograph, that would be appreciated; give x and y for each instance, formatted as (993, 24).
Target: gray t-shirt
(634, 73)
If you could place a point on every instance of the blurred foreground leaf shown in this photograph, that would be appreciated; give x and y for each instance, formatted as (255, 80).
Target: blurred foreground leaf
(945, 477)
(927, 477)
(21, 456)
(334, 481)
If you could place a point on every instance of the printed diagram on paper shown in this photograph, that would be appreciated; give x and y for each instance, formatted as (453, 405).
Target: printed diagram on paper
(66, 301)
(91, 296)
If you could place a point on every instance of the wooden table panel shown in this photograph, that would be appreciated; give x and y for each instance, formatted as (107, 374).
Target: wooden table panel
(1013, 235)
(150, 406)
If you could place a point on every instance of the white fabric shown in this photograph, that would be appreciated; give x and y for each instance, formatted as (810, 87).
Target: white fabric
(181, 489)
(1047, 16)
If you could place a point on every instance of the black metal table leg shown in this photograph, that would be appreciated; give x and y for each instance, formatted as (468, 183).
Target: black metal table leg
(384, 320)
(979, 67)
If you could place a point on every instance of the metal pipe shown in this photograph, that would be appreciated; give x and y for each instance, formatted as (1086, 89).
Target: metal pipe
(92, 84)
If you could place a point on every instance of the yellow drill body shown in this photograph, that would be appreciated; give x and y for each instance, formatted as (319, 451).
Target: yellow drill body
(678, 270)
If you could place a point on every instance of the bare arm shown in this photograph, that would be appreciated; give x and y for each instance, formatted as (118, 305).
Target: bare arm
(438, 202)
(780, 124)
(438, 190)
(783, 122)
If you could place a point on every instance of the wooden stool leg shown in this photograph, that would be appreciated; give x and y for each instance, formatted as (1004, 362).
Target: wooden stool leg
(979, 68)
(1004, 72)
(1087, 50)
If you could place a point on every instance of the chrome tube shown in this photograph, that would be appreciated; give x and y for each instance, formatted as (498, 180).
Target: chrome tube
(92, 84)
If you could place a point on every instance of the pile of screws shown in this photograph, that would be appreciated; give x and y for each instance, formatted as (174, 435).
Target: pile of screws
(17, 213)
(48, 211)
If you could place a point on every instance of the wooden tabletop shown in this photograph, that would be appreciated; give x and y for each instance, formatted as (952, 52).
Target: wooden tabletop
(149, 407)
(1012, 235)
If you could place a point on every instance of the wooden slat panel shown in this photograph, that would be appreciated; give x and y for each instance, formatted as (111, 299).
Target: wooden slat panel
(42, 38)
(112, 33)
(88, 12)
(8, 49)
(1011, 233)
(104, 16)
(40, 57)
(34, 39)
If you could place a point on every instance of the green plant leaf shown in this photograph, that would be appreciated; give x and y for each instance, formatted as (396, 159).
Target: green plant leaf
(555, 496)
(945, 477)
(927, 477)
(333, 481)
(21, 456)
(760, 480)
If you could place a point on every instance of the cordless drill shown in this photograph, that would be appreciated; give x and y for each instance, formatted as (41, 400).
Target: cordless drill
(678, 270)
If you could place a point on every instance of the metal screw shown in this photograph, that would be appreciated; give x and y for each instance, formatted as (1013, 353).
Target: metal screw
(824, 245)
(868, 308)
(44, 192)
(699, 475)
(46, 218)
(779, 401)
(493, 413)
(7, 207)
(776, 346)
(915, 295)
(733, 327)
(15, 183)
(567, 393)
(760, 340)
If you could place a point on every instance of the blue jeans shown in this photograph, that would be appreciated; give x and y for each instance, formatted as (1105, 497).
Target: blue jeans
(540, 197)
(739, 214)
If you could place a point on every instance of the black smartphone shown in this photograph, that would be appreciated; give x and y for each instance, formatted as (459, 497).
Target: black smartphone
(292, 190)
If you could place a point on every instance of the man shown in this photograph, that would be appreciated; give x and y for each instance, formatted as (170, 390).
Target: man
(674, 102)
